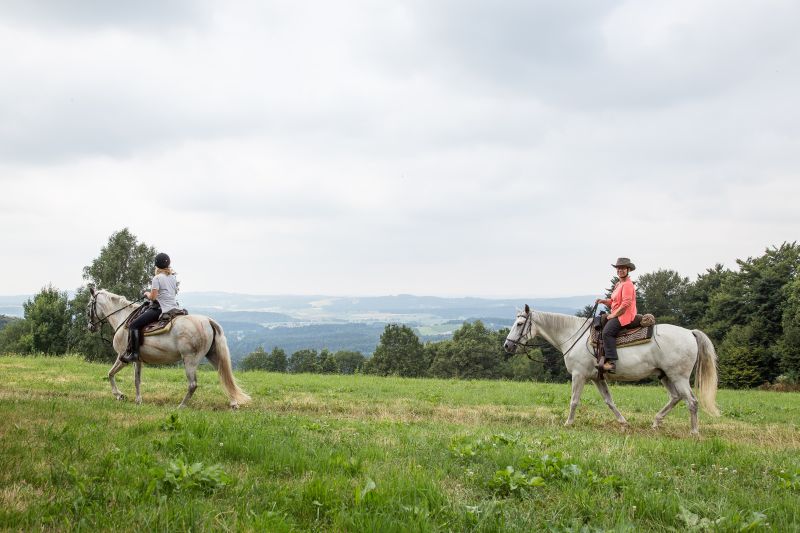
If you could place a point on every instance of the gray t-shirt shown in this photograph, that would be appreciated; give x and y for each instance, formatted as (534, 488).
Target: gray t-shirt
(167, 286)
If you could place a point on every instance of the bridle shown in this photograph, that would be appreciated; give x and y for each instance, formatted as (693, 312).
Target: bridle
(95, 322)
(529, 323)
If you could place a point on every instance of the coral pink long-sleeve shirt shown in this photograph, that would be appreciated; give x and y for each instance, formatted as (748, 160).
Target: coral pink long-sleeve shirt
(624, 296)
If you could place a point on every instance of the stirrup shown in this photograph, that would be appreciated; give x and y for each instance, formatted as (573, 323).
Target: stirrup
(610, 367)
(129, 357)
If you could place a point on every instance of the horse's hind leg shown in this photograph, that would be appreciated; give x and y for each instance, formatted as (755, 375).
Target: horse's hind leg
(190, 365)
(213, 358)
(577, 388)
(684, 389)
(118, 365)
(602, 386)
(674, 398)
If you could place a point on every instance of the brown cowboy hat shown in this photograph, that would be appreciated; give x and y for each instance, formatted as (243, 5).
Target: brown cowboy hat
(624, 262)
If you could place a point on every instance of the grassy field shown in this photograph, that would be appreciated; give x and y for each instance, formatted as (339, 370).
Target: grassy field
(362, 453)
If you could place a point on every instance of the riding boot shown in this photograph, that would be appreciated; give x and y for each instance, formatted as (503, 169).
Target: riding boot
(133, 347)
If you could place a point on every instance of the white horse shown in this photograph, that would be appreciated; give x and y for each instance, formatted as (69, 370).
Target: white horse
(191, 338)
(671, 354)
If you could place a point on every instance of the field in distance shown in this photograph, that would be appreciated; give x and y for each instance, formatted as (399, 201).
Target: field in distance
(365, 453)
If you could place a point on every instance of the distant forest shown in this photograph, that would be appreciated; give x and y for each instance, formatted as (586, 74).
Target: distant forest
(752, 314)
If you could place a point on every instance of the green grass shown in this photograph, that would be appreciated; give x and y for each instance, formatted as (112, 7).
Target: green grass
(362, 453)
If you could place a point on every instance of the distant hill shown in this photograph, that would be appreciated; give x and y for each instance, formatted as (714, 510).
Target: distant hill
(5, 320)
(295, 322)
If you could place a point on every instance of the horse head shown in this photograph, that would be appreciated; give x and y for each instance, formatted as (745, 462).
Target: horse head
(521, 332)
(95, 320)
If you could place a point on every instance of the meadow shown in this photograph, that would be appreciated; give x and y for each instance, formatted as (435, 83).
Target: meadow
(366, 453)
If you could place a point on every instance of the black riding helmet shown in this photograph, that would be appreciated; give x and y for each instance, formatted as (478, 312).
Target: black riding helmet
(162, 260)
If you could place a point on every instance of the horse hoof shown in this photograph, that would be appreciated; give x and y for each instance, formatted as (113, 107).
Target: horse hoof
(234, 406)
(120, 397)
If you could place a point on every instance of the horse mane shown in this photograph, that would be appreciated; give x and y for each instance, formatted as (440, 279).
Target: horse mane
(553, 322)
(116, 298)
(559, 320)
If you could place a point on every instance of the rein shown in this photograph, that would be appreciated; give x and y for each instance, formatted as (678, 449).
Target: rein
(529, 323)
(94, 321)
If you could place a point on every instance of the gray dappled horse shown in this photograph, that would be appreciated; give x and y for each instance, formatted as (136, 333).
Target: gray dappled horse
(672, 354)
(191, 338)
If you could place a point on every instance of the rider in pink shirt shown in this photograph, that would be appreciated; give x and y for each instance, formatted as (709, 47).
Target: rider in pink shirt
(623, 311)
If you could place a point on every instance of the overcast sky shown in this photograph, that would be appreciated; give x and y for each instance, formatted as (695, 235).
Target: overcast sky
(451, 148)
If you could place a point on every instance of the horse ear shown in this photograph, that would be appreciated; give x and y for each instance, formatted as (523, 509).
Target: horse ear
(527, 309)
(91, 289)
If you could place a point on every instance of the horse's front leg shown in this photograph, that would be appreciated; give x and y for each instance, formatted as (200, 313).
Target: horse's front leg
(602, 386)
(577, 388)
(138, 381)
(118, 364)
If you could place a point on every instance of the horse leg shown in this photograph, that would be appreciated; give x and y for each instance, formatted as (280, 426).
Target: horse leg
(118, 365)
(674, 398)
(138, 381)
(602, 386)
(577, 388)
(684, 389)
(190, 364)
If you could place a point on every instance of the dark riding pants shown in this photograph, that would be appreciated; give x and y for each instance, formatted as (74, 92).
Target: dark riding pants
(610, 332)
(151, 315)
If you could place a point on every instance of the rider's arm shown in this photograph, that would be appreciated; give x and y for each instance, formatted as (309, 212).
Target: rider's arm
(152, 294)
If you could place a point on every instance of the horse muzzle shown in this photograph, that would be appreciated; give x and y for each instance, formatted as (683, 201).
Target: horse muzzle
(510, 347)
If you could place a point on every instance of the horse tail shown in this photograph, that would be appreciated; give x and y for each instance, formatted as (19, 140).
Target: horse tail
(219, 351)
(706, 377)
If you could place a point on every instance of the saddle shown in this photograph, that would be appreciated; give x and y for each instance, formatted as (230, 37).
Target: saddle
(639, 331)
(162, 325)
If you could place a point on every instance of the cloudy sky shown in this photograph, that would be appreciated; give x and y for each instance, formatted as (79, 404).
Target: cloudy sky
(452, 148)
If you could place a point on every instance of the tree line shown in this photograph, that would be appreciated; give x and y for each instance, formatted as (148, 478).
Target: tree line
(752, 314)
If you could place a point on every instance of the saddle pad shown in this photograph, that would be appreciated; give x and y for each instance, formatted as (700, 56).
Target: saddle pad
(163, 324)
(628, 337)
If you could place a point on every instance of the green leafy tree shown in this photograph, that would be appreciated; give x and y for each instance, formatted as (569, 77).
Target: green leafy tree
(755, 298)
(474, 352)
(399, 353)
(16, 338)
(255, 360)
(698, 295)
(326, 362)
(349, 362)
(788, 347)
(48, 321)
(741, 358)
(5, 320)
(277, 360)
(523, 368)
(304, 361)
(79, 338)
(125, 267)
(662, 294)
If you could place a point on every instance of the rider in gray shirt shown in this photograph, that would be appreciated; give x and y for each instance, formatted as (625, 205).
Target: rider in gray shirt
(162, 293)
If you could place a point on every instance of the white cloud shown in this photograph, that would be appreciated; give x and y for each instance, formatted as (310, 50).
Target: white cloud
(449, 148)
